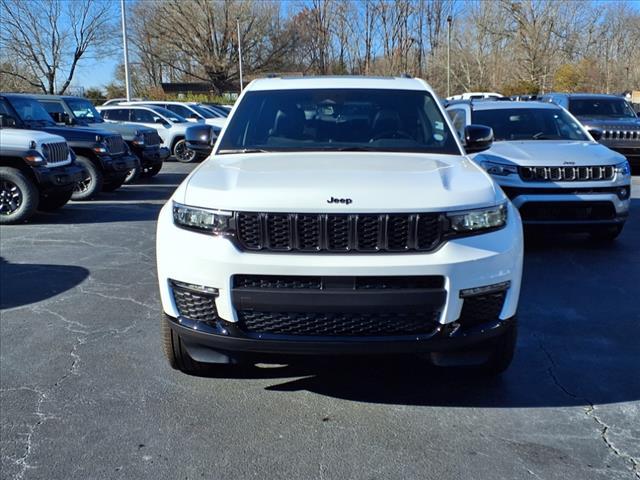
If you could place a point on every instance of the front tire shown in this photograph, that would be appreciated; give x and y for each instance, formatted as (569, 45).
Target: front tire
(606, 233)
(18, 196)
(133, 175)
(91, 183)
(153, 171)
(182, 153)
(174, 350)
(54, 201)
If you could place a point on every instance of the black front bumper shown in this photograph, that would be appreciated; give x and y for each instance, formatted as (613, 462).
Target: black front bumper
(151, 156)
(120, 165)
(229, 344)
(58, 178)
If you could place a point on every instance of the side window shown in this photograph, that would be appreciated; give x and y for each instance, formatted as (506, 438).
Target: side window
(118, 114)
(180, 110)
(457, 116)
(143, 116)
(52, 107)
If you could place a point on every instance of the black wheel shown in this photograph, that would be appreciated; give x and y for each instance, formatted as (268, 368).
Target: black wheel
(54, 201)
(113, 183)
(174, 350)
(502, 350)
(153, 171)
(18, 196)
(91, 183)
(182, 153)
(133, 175)
(606, 233)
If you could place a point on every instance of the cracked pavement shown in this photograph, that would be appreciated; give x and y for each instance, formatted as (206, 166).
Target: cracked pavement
(85, 392)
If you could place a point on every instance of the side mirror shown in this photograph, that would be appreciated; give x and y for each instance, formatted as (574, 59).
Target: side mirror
(596, 133)
(477, 138)
(6, 121)
(161, 122)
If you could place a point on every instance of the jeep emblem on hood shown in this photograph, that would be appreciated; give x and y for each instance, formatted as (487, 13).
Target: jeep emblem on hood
(340, 200)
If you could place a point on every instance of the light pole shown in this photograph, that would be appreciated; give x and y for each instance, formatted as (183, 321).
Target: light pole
(239, 52)
(449, 19)
(127, 81)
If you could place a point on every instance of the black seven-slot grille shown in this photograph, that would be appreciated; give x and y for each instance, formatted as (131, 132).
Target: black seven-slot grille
(318, 315)
(367, 233)
(566, 174)
(152, 139)
(115, 144)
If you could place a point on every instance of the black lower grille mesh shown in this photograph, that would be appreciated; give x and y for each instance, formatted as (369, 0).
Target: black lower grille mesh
(337, 324)
(298, 282)
(481, 309)
(569, 211)
(195, 305)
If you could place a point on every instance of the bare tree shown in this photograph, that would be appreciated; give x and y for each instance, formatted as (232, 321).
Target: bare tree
(50, 37)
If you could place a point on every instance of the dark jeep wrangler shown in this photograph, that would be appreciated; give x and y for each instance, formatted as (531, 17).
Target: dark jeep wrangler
(104, 155)
(144, 142)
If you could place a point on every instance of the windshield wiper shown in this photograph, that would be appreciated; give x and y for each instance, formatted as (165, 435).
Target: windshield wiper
(357, 149)
(242, 150)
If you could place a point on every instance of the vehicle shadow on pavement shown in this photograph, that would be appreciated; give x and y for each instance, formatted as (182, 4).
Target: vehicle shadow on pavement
(98, 212)
(19, 288)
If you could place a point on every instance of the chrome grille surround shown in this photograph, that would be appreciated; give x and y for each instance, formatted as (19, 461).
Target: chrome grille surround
(56, 152)
(566, 174)
(621, 134)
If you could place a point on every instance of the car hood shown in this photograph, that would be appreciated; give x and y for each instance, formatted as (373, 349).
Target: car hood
(549, 153)
(216, 122)
(127, 130)
(21, 139)
(79, 134)
(305, 181)
(620, 123)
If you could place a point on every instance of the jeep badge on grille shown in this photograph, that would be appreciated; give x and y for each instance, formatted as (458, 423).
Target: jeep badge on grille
(340, 200)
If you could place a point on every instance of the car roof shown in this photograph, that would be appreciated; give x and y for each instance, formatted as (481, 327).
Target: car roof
(155, 102)
(477, 106)
(586, 96)
(338, 82)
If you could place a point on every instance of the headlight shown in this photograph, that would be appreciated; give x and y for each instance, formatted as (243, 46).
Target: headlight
(500, 169)
(35, 159)
(480, 219)
(623, 168)
(138, 139)
(100, 147)
(202, 220)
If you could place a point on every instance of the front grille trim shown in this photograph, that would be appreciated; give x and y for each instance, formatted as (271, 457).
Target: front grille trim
(339, 233)
(567, 174)
(57, 152)
(115, 144)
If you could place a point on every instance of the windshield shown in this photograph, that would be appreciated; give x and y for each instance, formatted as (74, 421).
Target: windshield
(530, 124)
(173, 117)
(338, 119)
(601, 107)
(30, 111)
(217, 111)
(84, 110)
(203, 111)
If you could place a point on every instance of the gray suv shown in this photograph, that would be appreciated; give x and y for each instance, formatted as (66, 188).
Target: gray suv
(613, 115)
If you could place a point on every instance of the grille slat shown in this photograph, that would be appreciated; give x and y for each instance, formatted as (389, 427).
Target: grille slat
(56, 152)
(115, 144)
(566, 174)
(339, 233)
(151, 139)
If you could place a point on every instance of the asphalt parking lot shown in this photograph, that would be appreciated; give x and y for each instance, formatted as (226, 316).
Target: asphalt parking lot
(86, 393)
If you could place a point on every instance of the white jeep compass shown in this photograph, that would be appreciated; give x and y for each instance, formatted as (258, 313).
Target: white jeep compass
(340, 215)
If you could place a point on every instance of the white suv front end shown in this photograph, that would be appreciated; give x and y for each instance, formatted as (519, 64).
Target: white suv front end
(353, 224)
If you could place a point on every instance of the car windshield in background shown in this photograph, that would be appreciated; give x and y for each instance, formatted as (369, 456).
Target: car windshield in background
(30, 111)
(338, 119)
(203, 111)
(529, 124)
(173, 117)
(84, 110)
(601, 107)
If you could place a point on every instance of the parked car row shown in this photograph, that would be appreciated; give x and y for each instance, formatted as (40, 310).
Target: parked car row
(40, 134)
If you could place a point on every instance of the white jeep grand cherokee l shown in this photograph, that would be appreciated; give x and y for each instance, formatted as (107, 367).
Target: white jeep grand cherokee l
(339, 215)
